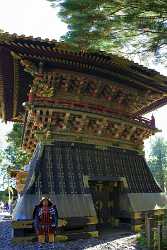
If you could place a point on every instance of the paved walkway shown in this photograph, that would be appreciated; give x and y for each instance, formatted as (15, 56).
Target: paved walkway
(3, 214)
(107, 241)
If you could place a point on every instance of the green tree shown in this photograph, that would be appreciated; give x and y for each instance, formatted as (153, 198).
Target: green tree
(14, 154)
(158, 161)
(4, 196)
(109, 25)
(15, 136)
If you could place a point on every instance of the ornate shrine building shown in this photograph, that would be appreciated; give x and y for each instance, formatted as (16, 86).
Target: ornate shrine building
(82, 117)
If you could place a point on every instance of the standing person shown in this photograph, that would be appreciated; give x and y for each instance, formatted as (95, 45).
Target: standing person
(45, 220)
(6, 207)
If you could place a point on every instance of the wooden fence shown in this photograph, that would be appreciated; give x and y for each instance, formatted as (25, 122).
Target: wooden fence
(155, 233)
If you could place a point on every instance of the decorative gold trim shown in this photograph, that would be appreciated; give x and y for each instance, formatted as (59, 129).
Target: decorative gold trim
(125, 183)
(137, 228)
(22, 224)
(15, 55)
(92, 220)
(62, 222)
(61, 238)
(137, 215)
(159, 212)
(94, 234)
(87, 139)
(29, 66)
(86, 179)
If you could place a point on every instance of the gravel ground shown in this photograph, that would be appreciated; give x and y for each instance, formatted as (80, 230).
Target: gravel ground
(105, 243)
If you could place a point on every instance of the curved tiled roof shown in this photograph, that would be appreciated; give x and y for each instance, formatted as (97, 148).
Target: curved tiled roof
(62, 55)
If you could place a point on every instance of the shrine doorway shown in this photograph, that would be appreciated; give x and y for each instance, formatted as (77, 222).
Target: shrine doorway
(106, 197)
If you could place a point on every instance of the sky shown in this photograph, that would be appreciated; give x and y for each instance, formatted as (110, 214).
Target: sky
(37, 18)
(28, 17)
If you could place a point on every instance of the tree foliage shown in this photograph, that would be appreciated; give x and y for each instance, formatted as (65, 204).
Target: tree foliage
(158, 161)
(109, 25)
(4, 196)
(14, 154)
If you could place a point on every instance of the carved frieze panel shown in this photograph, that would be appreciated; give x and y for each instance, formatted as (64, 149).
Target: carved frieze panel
(83, 125)
(72, 85)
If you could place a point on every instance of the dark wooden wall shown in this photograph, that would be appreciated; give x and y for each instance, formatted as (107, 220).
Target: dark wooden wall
(61, 169)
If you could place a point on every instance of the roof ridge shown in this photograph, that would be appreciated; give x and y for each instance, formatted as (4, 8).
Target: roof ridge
(6, 38)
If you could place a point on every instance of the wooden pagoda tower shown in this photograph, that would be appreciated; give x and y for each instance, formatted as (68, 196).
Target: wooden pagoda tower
(82, 117)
